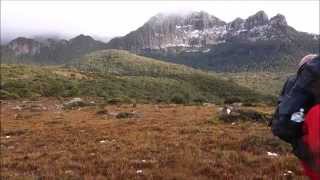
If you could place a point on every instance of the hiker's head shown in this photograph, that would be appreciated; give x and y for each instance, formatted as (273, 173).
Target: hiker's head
(306, 59)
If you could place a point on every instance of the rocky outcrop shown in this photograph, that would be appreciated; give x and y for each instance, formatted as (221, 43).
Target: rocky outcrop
(196, 29)
(24, 46)
(278, 21)
(258, 27)
(236, 25)
(258, 19)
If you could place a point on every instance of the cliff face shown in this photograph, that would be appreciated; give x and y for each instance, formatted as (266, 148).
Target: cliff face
(161, 31)
(24, 46)
(199, 29)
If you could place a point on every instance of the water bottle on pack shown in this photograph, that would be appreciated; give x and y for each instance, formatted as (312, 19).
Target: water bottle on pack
(298, 116)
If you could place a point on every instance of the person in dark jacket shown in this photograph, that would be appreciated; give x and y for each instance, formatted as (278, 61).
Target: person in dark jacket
(300, 92)
(294, 96)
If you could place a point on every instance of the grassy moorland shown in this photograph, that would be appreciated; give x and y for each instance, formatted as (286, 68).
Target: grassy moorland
(159, 142)
(263, 82)
(119, 74)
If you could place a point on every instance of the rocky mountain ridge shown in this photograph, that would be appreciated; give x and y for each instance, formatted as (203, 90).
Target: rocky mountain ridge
(200, 30)
(200, 40)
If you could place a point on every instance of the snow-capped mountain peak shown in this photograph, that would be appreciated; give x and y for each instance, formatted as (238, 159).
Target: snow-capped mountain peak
(200, 30)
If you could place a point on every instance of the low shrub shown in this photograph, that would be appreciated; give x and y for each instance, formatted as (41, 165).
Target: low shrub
(181, 88)
(179, 99)
(245, 115)
(231, 100)
(7, 95)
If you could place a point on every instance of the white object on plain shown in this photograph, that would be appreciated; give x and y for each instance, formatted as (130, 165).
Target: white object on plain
(228, 111)
(272, 154)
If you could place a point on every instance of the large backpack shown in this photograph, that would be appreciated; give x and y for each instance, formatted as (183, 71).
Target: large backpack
(296, 94)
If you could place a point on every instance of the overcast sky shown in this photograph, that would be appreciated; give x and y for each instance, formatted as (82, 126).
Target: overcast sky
(112, 18)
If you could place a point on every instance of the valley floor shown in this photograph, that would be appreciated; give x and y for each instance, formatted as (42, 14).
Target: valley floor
(158, 142)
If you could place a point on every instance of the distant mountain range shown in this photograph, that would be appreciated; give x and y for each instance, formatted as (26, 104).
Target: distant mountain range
(49, 51)
(197, 39)
(203, 41)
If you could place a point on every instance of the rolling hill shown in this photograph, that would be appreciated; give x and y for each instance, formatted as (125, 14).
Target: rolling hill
(123, 75)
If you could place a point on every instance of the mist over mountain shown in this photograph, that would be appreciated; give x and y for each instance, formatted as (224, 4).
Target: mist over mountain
(204, 41)
(196, 39)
